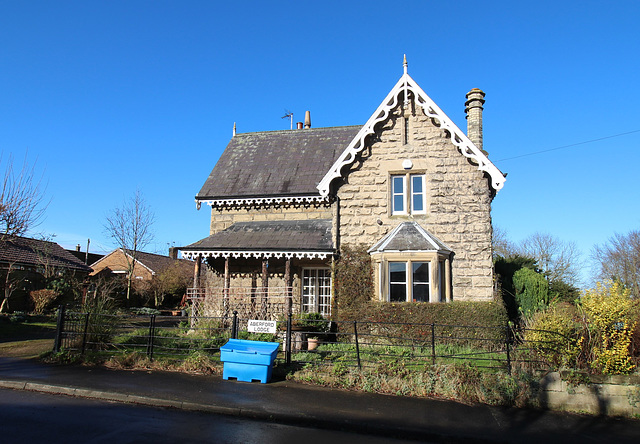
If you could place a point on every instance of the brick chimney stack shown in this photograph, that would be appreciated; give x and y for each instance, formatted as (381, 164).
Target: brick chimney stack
(473, 108)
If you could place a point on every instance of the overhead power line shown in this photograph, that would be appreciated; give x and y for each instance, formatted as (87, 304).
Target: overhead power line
(569, 146)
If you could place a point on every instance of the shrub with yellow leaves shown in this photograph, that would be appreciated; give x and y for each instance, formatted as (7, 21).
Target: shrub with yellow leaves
(612, 319)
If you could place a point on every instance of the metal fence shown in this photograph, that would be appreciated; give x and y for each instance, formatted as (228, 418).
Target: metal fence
(305, 341)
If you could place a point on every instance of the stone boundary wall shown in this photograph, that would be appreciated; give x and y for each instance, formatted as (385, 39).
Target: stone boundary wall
(605, 395)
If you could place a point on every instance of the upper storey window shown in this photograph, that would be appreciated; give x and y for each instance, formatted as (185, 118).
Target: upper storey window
(408, 194)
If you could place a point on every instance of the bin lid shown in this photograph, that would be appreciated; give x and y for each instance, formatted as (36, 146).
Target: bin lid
(250, 347)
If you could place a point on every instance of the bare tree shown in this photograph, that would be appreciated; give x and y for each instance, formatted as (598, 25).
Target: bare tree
(619, 259)
(21, 199)
(130, 228)
(559, 261)
(502, 246)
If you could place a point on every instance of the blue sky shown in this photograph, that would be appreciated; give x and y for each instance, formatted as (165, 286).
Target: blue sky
(107, 97)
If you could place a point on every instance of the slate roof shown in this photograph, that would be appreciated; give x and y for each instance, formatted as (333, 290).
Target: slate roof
(409, 236)
(292, 235)
(35, 253)
(276, 163)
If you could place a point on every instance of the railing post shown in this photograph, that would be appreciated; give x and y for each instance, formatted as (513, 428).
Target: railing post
(288, 339)
(84, 333)
(355, 332)
(234, 325)
(433, 343)
(152, 324)
(508, 341)
(59, 329)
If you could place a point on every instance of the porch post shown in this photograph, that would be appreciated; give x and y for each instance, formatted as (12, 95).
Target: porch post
(225, 291)
(196, 272)
(447, 280)
(287, 284)
(265, 286)
(196, 302)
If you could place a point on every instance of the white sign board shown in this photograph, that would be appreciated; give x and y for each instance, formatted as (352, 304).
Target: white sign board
(258, 326)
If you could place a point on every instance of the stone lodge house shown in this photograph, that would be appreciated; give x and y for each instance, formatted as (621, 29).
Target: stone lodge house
(408, 184)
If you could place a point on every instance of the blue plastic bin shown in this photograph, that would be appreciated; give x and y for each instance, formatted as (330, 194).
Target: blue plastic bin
(248, 361)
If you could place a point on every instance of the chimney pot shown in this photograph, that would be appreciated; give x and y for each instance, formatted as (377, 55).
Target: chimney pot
(78, 247)
(307, 119)
(173, 252)
(299, 125)
(473, 108)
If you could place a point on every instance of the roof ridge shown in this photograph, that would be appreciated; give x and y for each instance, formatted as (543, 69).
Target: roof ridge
(306, 130)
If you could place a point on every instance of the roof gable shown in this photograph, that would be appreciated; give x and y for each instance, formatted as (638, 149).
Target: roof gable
(402, 89)
(275, 163)
(155, 263)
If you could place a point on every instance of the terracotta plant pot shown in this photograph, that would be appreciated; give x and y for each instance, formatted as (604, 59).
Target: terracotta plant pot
(312, 343)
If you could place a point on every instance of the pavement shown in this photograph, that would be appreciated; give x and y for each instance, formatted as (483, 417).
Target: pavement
(293, 403)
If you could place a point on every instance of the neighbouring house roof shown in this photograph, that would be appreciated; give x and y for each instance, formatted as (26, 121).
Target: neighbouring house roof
(409, 236)
(81, 255)
(155, 263)
(38, 253)
(276, 163)
(297, 238)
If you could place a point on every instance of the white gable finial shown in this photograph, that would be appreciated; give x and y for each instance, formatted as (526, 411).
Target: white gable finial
(406, 92)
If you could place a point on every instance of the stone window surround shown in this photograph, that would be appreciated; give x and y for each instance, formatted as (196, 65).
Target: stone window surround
(407, 191)
(439, 269)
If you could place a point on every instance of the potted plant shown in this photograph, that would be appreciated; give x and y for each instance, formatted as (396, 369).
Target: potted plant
(314, 326)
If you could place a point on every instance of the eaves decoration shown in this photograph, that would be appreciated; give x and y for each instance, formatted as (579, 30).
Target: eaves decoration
(236, 254)
(405, 86)
(263, 201)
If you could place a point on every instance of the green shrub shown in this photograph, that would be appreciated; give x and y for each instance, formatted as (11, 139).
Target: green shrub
(353, 280)
(532, 291)
(411, 321)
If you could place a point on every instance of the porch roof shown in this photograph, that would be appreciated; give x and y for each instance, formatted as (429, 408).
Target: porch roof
(266, 239)
(410, 236)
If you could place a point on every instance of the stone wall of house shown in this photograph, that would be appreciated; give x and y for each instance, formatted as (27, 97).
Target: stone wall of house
(458, 197)
(222, 218)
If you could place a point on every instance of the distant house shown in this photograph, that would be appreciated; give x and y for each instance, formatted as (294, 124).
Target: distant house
(26, 263)
(147, 264)
(86, 257)
(408, 185)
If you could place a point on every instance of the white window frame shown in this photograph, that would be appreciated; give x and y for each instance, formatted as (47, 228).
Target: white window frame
(318, 289)
(422, 194)
(395, 193)
(409, 279)
(408, 193)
